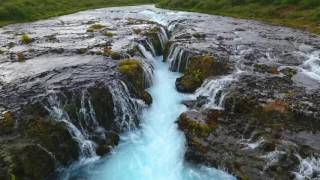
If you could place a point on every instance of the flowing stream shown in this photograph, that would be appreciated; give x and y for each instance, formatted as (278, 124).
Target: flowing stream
(156, 151)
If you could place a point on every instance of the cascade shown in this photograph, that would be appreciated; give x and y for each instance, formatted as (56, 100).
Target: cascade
(214, 90)
(80, 135)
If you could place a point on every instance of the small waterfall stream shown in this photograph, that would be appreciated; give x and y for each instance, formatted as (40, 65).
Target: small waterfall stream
(156, 150)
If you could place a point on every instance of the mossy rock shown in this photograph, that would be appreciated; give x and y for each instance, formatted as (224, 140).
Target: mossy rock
(237, 103)
(113, 54)
(49, 133)
(133, 72)
(263, 68)
(27, 161)
(26, 39)
(134, 76)
(194, 127)
(109, 34)
(200, 68)
(289, 72)
(102, 103)
(6, 123)
(95, 27)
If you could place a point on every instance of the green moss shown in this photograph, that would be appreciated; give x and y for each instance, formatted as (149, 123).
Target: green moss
(95, 27)
(115, 55)
(198, 70)
(109, 34)
(194, 127)
(25, 39)
(129, 67)
(134, 76)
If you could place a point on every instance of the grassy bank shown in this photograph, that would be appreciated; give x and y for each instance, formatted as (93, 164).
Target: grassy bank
(302, 14)
(15, 11)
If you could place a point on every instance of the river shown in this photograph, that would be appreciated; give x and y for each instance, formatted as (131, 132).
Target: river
(156, 151)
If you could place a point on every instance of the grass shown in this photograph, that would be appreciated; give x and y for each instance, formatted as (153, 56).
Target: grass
(16, 11)
(302, 14)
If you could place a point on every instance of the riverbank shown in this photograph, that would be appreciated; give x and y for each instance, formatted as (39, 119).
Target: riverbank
(19, 11)
(305, 16)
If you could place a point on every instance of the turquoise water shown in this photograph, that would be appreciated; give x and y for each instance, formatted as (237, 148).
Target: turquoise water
(154, 152)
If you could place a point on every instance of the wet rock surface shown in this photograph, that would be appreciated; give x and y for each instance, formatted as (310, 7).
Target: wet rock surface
(261, 119)
(258, 118)
(63, 97)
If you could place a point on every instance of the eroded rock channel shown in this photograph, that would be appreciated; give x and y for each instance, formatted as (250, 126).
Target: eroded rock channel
(75, 86)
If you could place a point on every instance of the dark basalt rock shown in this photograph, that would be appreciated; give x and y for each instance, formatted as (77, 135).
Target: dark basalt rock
(198, 70)
(25, 161)
(133, 75)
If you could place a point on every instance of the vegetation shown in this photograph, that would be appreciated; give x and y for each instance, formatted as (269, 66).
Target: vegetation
(304, 14)
(134, 75)
(200, 68)
(129, 67)
(109, 34)
(25, 39)
(14, 11)
(95, 27)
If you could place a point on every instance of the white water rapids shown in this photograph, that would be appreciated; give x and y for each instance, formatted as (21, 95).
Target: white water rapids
(156, 151)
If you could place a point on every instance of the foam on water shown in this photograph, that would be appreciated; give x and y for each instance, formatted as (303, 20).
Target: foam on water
(156, 151)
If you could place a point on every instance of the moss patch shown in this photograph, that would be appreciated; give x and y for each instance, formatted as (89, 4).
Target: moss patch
(194, 127)
(95, 27)
(26, 39)
(200, 68)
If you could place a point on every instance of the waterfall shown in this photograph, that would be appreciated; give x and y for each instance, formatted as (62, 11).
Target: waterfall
(80, 135)
(309, 168)
(178, 58)
(150, 46)
(311, 67)
(147, 65)
(163, 37)
(126, 108)
(214, 90)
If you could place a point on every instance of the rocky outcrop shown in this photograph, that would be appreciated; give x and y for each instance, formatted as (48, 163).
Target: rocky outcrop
(259, 119)
(198, 70)
(67, 93)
